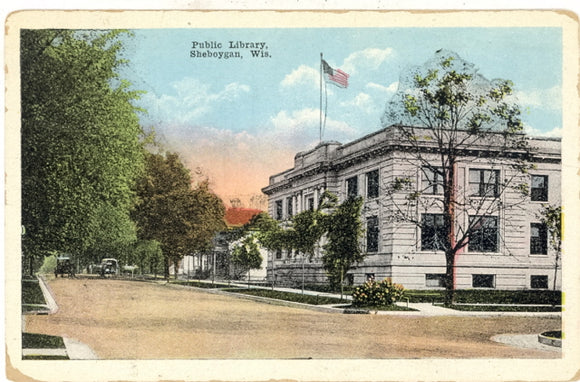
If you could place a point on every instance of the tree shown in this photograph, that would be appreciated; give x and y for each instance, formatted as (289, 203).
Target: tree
(181, 218)
(337, 224)
(551, 216)
(148, 255)
(81, 140)
(246, 255)
(343, 232)
(447, 104)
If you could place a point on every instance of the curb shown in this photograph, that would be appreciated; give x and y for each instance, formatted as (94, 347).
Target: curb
(427, 310)
(73, 349)
(48, 296)
(556, 342)
(265, 300)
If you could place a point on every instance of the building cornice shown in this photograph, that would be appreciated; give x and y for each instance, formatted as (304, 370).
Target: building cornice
(393, 143)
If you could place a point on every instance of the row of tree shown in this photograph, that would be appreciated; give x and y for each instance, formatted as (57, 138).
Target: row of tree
(89, 185)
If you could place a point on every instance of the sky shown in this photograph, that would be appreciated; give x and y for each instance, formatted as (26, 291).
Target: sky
(242, 119)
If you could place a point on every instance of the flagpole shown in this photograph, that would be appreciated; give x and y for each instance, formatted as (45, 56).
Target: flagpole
(320, 125)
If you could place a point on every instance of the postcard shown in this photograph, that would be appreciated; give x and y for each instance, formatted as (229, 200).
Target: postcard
(291, 195)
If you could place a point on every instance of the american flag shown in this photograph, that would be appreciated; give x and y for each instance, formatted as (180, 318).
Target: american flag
(335, 76)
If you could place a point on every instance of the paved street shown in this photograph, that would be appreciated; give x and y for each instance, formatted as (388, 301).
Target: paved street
(134, 320)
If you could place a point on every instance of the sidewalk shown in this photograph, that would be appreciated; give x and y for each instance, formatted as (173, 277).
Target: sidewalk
(421, 309)
(73, 348)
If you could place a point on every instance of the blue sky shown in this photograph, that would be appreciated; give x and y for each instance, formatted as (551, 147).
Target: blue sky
(240, 120)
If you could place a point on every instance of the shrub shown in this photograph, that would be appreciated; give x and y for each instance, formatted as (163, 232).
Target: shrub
(374, 293)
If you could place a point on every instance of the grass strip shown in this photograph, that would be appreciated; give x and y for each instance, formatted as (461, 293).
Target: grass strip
(505, 308)
(41, 341)
(556, 334)
(288, 296)
(199, 284)
(392, 307)
(477, 296)
(45, 357)
(31, 292)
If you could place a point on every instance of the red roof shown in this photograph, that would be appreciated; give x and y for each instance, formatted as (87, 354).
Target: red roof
(236, 216)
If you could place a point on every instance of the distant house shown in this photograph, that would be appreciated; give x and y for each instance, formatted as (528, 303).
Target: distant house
(509, 250)
(215, 262)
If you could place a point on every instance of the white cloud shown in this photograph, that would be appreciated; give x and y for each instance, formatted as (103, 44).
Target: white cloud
(392, 88)
(362, 101)
(550, 99)
(301, 128)
(303, 75)
(556, 132)
(192, 100)
(370, 58)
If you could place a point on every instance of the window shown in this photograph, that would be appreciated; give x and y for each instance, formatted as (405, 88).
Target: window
(538, 239)
(484, 182)
(483, 281)
(432, 181)
(289, 207)
(539, 282)
(278, 210)
(539, 188)
(311, 204)
(373, 184)
(373, 234)
(278, 253)
(435, 280)
(352, 187)
(484, 234)
(433, 233)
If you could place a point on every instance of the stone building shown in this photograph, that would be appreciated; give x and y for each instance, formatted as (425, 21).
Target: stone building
(508, 248)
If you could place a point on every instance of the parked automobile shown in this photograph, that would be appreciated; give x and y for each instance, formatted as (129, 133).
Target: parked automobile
(64, 266)
(109, 266)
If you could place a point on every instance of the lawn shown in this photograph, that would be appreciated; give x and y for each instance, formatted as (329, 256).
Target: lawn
(390, 308)
(199, 284)
(478, 296)
(31, 292)
(288, 296)
(42, 341)
(505, 308)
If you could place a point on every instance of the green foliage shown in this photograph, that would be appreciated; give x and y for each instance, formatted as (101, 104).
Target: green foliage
(246, 254)
(343, 231)
(446, 106)
(48, 265)
(551, 216)
(304, 232)
(81, 149)
(340, 224)
(374, 293)
(147, 254)
(180, 218)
